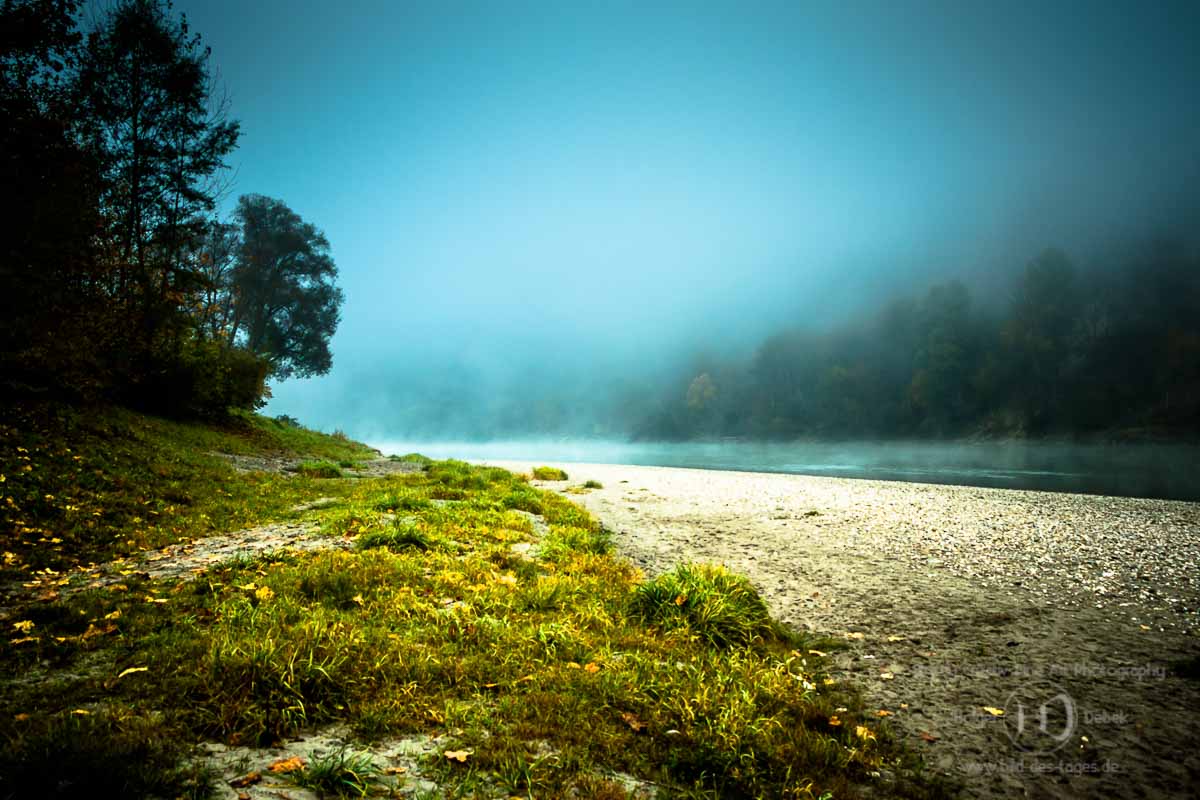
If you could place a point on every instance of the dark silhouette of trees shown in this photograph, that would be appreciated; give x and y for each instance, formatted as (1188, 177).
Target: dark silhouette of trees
(1113, 348)
(285, 303)
(116, 281)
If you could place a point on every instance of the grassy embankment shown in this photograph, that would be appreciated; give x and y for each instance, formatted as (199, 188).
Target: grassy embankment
(543, 663)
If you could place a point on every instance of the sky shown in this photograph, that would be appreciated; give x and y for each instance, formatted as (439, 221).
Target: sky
(593, 191)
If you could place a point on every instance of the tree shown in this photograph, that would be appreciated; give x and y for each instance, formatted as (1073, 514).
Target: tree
(285, 304)
(147, 112)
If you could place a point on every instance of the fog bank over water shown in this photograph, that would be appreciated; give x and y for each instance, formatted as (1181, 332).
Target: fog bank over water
(1140, 470)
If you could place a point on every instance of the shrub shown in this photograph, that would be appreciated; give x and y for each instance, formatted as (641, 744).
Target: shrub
(591, 484)
(710, 601)
(549, 474)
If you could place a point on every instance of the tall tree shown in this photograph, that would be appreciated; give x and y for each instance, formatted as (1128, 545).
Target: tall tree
(149, 115)
(286, 306)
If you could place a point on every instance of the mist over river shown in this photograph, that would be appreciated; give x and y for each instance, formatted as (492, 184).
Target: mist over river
(1169, 471)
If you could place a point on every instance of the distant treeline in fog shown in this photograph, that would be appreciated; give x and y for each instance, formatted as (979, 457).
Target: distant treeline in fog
(1067, 350)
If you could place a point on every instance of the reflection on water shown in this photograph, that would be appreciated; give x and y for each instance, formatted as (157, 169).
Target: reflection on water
(1139, 470)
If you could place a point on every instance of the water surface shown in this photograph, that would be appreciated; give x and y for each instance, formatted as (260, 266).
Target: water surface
(1132, 470)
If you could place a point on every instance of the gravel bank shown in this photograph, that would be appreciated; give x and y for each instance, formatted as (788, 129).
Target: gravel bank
(956, 600)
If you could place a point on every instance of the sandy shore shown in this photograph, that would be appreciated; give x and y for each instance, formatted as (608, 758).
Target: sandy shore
(1067, 612)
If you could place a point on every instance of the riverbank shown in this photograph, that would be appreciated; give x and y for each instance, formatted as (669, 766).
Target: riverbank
(959, 602)
(253, 610)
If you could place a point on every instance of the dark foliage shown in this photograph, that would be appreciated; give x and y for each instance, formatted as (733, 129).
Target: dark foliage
(115, 281)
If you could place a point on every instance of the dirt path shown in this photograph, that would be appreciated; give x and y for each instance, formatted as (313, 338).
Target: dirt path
(1066, 612)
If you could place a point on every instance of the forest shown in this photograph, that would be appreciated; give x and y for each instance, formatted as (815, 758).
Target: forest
(1109, 349)
(119, 281)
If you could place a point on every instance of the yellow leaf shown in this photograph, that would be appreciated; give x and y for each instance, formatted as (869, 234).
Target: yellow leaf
(287, 765)
(829, 681)
(591, 667)
(20, 717)
(835, 721)
(114, 615)
(680, 600)
(854, 635)
(457, 755)
(358, 598)
(896, 638)
(863, 732)
(132, 670)
(816, 653)
(883, 712)
(264, 593)
(574, 665)
(81, 712)
(24, 626)
(886, 676)
(995, 712)
(23, 640)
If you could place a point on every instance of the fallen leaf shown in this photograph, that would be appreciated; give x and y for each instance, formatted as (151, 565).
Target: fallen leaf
(23, 640)
(928, 737)
(816, 653)
(835, 721)
(632, 721)
(20, 717)
(287, 765)
(101, 631)
(680, 600)
(394, 770)
(574, 665)
(246, 780)
(883, 712)
(358, 598)
(886, 676)
(854, 635)
(113, 615)
(264, 593)
(864, 732)
(995, 712)
(24, 626)
(81, 712)
(132, 670)
(457, 755)
(896, 638)
(591, 667)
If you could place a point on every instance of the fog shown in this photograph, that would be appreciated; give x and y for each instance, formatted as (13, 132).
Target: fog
(550, 219)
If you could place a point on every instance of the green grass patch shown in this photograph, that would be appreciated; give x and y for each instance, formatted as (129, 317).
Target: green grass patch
(546, 657)
(593, 484)
(319, 469)
(549, 474)
(709, 602)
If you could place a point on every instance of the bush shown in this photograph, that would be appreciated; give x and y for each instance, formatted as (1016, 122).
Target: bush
(592, 484)
(710, 601)
(549, 474)
(202, 380)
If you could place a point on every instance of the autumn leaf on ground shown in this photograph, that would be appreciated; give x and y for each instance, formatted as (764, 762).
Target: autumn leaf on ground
(886, 676)
(995, 712)
(394, 770)
(264, 593)
(864, 732)
(24, 626)
(896, 638)
(854, 635)
(928, 737)
(680, 600)
(591, 667)
(632, 721)
(883, 712)
(287, 765)
(835, 721)
(246, 780)
(132, 670)
(817, 653)
(460, 756)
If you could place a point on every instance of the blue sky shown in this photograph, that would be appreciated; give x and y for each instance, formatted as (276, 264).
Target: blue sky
(512, 182)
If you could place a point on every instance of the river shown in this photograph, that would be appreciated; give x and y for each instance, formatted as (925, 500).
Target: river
(1132, 470)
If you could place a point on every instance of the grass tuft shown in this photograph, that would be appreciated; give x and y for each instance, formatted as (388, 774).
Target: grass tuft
(709, 602)
(341, 773)
(549, 474)
(319, 469)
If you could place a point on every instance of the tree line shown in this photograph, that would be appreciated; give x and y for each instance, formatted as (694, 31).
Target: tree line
(118, 280)
(1115, 347)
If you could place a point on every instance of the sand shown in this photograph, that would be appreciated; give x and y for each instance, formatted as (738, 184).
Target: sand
(1067, 612)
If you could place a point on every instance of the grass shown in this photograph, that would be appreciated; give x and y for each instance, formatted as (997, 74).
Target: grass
(342, 773)
(319, 469)
(552, 670)
(549, 474)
